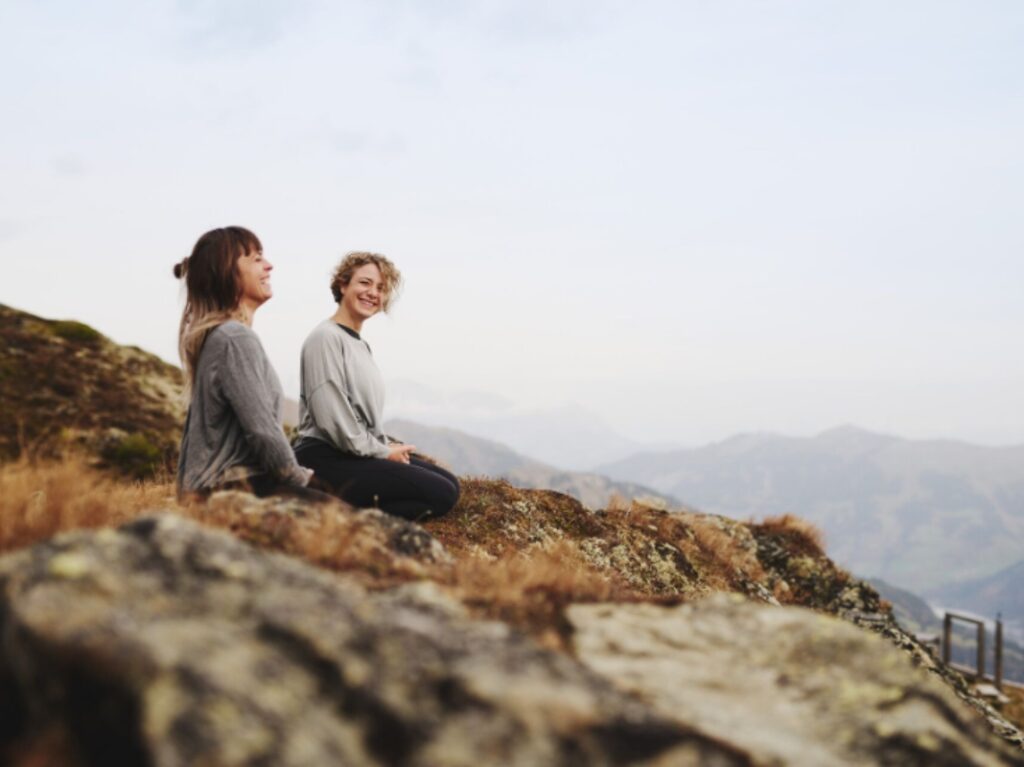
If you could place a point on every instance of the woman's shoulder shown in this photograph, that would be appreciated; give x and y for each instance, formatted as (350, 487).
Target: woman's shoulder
(325, 332)
(232, 329)
(232, 333)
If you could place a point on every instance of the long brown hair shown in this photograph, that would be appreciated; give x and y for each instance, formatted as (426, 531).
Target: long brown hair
(213, 290)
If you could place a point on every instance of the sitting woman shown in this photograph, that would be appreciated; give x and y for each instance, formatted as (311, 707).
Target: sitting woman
(233, 436)
(342, 396)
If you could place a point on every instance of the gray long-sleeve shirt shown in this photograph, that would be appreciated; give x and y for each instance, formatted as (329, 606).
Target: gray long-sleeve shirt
(233, 429)
(341, 392)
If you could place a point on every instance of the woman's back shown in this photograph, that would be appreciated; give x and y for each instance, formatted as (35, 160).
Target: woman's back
(236, 393)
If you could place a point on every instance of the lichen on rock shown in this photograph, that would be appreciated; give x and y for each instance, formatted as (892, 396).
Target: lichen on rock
(169, 644)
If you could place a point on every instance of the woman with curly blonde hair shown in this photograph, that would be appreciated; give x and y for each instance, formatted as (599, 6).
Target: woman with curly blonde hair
(342, 399)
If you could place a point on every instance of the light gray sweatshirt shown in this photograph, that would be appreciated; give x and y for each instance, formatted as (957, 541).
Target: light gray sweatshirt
(233, 428)
(341, 392)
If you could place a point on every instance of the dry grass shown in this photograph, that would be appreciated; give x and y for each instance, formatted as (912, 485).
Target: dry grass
(39, 500)
(531, 589)
(528, 588)
(803, 537)
(618, 502)
(727, 561)
(518, 556)
(1014, 710)
(331, 535)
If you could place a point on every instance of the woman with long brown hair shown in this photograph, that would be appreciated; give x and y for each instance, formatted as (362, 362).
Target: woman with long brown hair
(233, 436)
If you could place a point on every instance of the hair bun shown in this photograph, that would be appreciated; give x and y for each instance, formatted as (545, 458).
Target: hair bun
(181, 267)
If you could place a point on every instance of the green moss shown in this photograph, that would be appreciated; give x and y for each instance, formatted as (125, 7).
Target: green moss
(134, 455)
(70, 330)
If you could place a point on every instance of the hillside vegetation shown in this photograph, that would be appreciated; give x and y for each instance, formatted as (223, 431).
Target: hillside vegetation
(530, 560)
(65, 386)
(521, 628)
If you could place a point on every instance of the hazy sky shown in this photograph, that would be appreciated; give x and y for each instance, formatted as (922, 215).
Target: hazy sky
(693, 218)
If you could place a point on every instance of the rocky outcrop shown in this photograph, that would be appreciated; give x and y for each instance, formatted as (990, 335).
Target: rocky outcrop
(375, 548)
(860, 604)
(168, 643)
(165, 643)
(785, 685)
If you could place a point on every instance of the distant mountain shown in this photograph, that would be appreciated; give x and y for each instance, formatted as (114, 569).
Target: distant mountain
(570, 436)
(64, 384)
(473, 456)
(911, 611)
(918, 513)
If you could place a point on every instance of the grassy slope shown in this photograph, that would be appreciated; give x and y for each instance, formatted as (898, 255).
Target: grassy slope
(64, 385)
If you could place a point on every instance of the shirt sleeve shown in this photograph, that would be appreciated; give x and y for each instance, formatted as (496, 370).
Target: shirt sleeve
(246, 388)
(333, 414)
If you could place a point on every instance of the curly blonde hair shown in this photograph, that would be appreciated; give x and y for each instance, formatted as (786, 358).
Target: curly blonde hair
(390, 275)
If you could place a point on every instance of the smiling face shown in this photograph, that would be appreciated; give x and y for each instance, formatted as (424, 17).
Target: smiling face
(361, 298)
(254, 280)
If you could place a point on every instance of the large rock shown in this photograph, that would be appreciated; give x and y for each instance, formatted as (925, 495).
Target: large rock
(165, 643)
(785, 685)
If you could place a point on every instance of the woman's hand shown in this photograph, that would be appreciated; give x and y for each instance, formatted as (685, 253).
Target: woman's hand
(400, 453)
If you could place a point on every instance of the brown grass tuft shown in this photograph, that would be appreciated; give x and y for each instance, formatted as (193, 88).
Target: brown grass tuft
(618, 502)
(729, 563)
(531, 589)
(39, 500)
(1014, 710)
(801, 535)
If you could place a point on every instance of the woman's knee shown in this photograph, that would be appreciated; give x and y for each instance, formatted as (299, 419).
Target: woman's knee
(445, 496)
(456, 491)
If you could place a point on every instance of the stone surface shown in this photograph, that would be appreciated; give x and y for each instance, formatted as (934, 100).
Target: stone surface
(859, 603)
(378, 548)
(783, 684)
(166, 643)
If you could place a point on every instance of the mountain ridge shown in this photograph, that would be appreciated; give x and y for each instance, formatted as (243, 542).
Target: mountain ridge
(476, 456)
(882, 500)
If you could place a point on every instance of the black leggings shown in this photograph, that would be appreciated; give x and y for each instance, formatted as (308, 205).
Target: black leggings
(264, 485)
(414, 490)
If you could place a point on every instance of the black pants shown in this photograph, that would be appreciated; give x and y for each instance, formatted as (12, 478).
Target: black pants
(414, 490)
(264, 485)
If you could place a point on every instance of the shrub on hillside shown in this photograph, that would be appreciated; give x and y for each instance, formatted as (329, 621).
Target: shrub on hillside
(134, 455)
(70, 330)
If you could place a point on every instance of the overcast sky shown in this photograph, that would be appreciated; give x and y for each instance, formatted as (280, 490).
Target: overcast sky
(692, 218)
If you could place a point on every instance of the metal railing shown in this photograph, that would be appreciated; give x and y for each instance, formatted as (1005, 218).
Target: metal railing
(979, 671)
